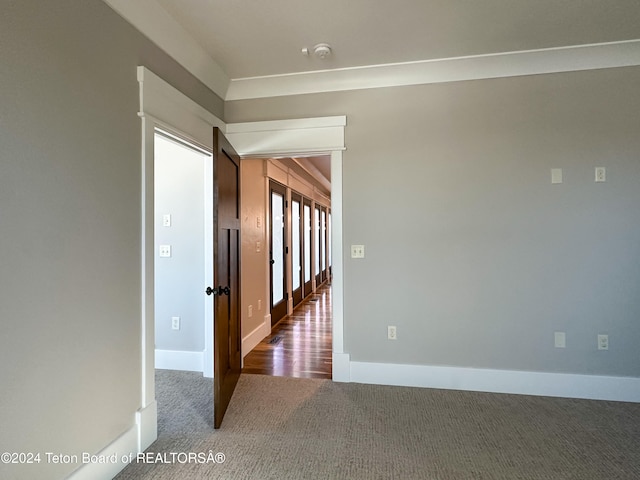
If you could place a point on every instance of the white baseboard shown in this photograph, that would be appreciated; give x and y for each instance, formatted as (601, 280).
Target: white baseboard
(117, 455)
(180, 360)
(594, 387)
(341, 367)
(256, 336)
(112, 459)
(147, 422)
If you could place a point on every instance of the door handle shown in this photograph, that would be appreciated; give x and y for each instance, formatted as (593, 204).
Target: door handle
(272, 261)
(218, 291)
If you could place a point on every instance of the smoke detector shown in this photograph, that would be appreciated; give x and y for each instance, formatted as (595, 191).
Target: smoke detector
(322, 50)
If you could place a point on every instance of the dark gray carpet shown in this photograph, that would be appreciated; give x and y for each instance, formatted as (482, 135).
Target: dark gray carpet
(286, 428)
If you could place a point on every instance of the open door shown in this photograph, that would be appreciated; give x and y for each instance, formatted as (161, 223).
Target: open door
(227, 338)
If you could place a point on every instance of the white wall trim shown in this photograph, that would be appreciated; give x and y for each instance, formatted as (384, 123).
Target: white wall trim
(594, 387)
(497, 65)
(157, 25)
(180, 360)
(250, 341)
(173, 109)
(341, 367)
(146, 421)
(122, 449)
(291, 137)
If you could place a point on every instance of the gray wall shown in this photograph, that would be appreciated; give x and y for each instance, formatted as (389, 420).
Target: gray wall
(471, 252)
(70, 225)
(179, 279)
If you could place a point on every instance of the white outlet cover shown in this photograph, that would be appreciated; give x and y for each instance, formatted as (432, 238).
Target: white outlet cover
(357, 251)
(165, 251)
(601, 174)
(560, 339)
(166, 220)
(556, 175)
(603, 342)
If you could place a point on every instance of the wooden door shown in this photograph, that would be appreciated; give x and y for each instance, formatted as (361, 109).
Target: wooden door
(227, 338)
(307, 250)
(278, 251)
(296, 248)
(317, 249)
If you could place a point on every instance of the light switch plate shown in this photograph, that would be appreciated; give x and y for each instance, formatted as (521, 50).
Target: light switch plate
(601, 174)
(556, 175)
(560, 339)
(357, 251)
(166, 220)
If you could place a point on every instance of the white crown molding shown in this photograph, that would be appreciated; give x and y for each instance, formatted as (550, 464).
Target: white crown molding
(156, 24)
(162, 29)
(510, 64)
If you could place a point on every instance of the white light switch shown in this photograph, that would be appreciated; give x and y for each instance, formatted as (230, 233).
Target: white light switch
(175, 323)
(258, 247)
(603, 342)
(556, 175)
(166, 220)
(357, 251)
(560, 339)
(165, 251)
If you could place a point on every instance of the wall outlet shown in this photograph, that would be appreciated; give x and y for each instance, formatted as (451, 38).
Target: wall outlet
(165, 251)
(175, 323)
(601, 174)
(392, 334)
(250, 311)
(603, 342)
(166, 220)
(560, 339)
(357, 251)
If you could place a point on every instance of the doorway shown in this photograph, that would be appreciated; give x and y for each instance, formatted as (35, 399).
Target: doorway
(161, 105)
(183, 257)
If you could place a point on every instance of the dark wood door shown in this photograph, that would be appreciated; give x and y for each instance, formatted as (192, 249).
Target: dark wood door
(278, 251)
(227, 340)
(317, 249)
(297, 243)
(307, 247)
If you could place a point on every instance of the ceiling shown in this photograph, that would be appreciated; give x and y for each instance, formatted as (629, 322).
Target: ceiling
(250, 38)
(252, 48)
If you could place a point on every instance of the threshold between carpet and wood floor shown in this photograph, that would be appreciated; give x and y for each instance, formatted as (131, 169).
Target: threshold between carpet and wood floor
(291, 428)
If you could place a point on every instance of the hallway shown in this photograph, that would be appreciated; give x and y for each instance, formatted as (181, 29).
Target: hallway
(300, 343)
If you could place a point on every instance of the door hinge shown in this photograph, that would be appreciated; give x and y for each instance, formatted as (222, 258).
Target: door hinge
(286, 250)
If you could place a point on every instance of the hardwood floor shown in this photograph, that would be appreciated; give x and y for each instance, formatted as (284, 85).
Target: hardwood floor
(302, 342)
